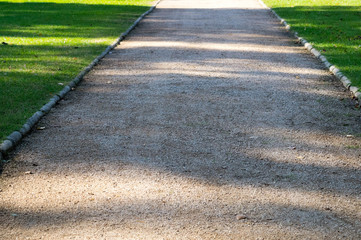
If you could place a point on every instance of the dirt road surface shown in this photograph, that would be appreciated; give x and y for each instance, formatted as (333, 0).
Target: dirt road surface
(208, 122)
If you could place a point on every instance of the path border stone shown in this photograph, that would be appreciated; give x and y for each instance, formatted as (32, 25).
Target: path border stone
(15, 137)
(332, 68)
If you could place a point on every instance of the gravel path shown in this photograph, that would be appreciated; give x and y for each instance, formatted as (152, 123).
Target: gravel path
(208, 122)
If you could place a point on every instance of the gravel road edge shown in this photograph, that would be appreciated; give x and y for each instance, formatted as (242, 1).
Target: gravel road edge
(332, 68)
(15, 137)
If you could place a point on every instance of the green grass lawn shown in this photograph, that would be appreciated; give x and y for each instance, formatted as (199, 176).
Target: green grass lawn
(332, 26)
(44, 44)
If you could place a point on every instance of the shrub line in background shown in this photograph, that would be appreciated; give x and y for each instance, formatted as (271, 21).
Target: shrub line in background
(332, 68)
(14, 138)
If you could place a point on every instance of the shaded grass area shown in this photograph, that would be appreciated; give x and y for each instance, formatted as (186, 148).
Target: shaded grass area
(332, 26)
(44, 45)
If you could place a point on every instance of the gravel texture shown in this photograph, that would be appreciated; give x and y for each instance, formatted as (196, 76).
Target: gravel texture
(208, 122)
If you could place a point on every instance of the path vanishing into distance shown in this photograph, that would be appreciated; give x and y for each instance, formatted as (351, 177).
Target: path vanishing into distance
(208, 122)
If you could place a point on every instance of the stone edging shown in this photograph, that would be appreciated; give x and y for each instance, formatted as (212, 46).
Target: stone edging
(14, 138)
(345, 81)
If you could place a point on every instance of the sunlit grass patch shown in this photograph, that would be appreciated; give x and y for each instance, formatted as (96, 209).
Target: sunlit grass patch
(332, 26)
(45, 44)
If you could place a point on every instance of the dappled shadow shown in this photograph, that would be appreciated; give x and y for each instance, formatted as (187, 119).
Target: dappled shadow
(179, 134)
(145, 217)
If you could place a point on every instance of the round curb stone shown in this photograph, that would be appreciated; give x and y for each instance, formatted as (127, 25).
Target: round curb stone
(63, 92)
(309, 46)
(323, 58)
(25, 129)
(354, 89)
(15, 137)
(46, 108)
(358, 95)
(6, 146)
(315, 52)
(346, 82)
(35, 118)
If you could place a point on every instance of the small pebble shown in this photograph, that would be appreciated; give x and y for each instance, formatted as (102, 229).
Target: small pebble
(240, 217)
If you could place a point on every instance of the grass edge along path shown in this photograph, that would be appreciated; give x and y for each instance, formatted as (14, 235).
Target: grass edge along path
(331, 27)
(38, 57)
